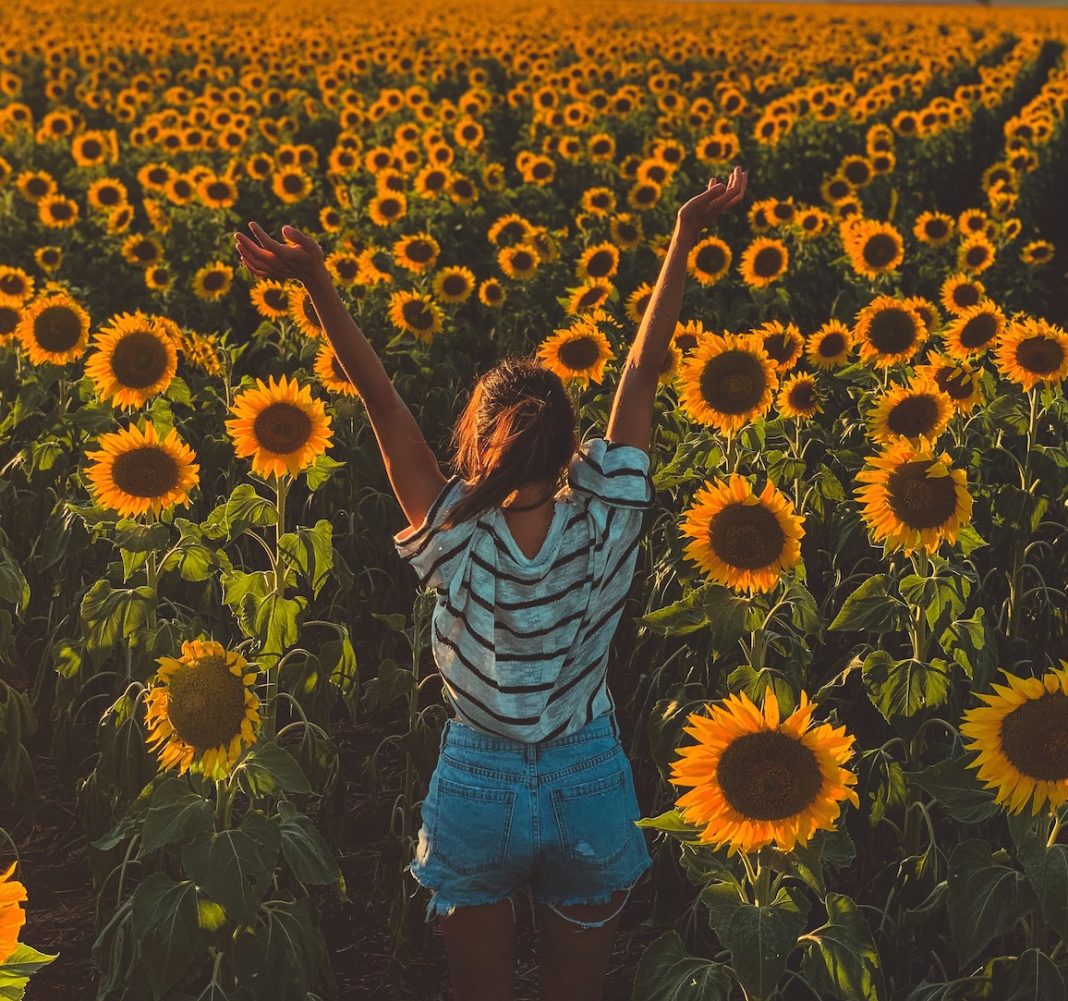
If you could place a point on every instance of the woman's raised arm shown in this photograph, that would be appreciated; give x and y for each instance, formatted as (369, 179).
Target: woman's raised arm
(412, 468)
(631, 419)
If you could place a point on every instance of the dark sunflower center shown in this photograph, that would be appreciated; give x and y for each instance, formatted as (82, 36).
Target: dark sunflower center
(976, 255)
(768, 262)
(857, 172)
(592, 297)
(780, 347)
(347, 268)
(710, 259)
(282, 428)
(308, 308)
(1039, 355)
(147, 471)
(965, 295)
(462, 188)
(206, 703)
(936, 228)
(389, 206)
(9, 320)
(108, 196)
(580, 353)
(802, 396)
(139, 360)
(832, 346)
(214, 280)
(36, 186)
(60, 210)
(1034, 737)
(954, 382)
(420, 251)
(12, 284)
(339, 372)
(892, 331)
(292, 183)
(769, 775)
(746, 536)
(522, 261)
(57, 328)
(454, 285)
(880, 250)
(838, 189)
(217, 191)
(913, 416)
(626, 232)
(733, 382)
(418, 315)
(684, 342)
(978, 330)
(275, 298)
(599, 264)
(145, 250)
(920, 501)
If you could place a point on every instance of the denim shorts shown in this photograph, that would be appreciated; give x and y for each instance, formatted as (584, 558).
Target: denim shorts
(553, 820)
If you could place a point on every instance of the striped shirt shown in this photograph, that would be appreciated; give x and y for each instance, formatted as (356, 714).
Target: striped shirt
(522, 644)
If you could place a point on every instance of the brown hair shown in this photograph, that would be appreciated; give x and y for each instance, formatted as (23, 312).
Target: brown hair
(518, 427)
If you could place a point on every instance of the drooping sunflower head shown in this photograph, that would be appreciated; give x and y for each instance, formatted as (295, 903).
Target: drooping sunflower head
(53, 328)
(136, 471)
(974, 329)
(799, 397)
(135, 359)
(12, 916)
(829, 346)
(727, 381)
(579, 351)
(918, 411)
(202, 712)
(913, 499)
(889, 331)
(1032, 352)
(1021, 736)
(280, 425)
(958, 380)
(757, 779)
(741, 539)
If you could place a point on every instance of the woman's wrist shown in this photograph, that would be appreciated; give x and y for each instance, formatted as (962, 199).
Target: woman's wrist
(684, 232)
(318, 280)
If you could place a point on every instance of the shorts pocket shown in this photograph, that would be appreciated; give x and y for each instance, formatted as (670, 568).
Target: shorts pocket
(471, 826)
(592, 818)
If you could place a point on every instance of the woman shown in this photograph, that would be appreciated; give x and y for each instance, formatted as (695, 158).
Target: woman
(532, 792)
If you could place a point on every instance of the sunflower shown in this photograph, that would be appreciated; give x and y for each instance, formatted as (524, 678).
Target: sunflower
(202, 712)
(136, 471)
(920, 410)
(49, 257)
(454, 284)
(888, 331)
(270, 298)
(509, 229)
(670, 365)
(727, 381)
(134, 360)
(9, 321)
(385, 209)
(302, 312)
(975, 253)
(974, 329)
(578, 352)
(599, 261)
(933, 228)
(626, 230)
(1021, 737)
(291, 185)
(519, 262)
(709, 260)
(913, 499)
(417, 314)
(829, 346)
(1033, 351)
(959, 381)
(213, 281)
(688, 334)
(57, 211)
(874, 248)
(638, 302)
(759, 780)
(928, 311)
(280, 425)
(783, 343)
(417, 253)
(16, 286)
(764, 261)
(12, 916)
(53, 328)
(331, 375)
(1037, 253)
(491, 293)
(740, 539)
(798, 397)
(959, 292)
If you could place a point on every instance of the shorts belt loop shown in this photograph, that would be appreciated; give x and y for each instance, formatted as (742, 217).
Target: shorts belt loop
(444, 734)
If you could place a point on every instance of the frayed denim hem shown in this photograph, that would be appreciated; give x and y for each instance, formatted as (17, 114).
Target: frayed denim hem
(439, 908)
(602, 898)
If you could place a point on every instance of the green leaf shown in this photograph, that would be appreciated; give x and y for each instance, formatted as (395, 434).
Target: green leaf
(282, 954)
(938, 596)
(321, 471)
(1031, 976)
(666, 973)
(276, 624)
(22, 964)
(956, 990)
(872, 608)
(310, 552)
(175, 813)
(985, 898)
(243, 509)
(1047, 872)
(110, 614)
(13, 585)
(194, 560)
(235, 867)
(338, 658)
(137, 537)
(726, 613)
(760, 939)
(681, 617)
(304, 849)
(903, 687)
(972, 644)
(392, 683)
(844, 962)
(269, 769)
(969, 539)
(164, 922)
(672, 823)
(956, 789)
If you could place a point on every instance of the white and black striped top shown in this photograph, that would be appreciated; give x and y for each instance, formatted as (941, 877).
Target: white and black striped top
(522, 644)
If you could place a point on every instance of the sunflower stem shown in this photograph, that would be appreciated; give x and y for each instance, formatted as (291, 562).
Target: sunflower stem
(749, 869)
(920, 565)
(281, 490)
(1054, 831)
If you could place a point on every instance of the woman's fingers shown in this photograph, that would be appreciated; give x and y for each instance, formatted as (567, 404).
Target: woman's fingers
(268, 242)
(254, 252)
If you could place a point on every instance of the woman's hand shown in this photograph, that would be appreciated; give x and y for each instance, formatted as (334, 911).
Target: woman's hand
(702, 209)
(300, 257)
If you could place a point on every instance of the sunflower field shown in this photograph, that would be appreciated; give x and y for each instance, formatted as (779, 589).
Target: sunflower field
(842, 671)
